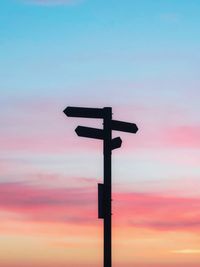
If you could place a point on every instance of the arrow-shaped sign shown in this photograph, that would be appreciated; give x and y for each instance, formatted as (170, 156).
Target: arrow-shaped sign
(124, 126)
(116, 143)
(89, 132)
(96, 113)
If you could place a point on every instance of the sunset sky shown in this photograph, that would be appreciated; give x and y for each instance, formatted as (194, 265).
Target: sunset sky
(141, 57)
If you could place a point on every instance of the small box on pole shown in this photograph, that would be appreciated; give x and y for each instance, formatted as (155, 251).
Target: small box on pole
(100, 201)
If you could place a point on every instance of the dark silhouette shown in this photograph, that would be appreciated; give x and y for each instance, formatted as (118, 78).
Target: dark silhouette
(104, 190)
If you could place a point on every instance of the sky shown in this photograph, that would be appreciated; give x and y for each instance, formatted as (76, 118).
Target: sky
(140, 57)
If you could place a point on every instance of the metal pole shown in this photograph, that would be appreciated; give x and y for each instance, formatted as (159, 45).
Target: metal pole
(107, 187)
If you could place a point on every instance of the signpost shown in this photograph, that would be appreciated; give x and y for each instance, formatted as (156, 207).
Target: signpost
(105, 134)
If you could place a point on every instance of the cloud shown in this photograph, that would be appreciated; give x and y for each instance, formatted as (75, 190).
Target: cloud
(40, 126)
(187, 251)
(37, 203)
(79, 206)
(183, 136)
(169, 136)
(159, 212)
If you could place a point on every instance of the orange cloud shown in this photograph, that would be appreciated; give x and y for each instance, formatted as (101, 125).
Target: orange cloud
(186, 251)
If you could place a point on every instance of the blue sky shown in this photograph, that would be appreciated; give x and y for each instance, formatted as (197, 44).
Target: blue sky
(60, 47)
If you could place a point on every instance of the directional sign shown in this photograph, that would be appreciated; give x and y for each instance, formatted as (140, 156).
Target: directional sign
(116, 143)
(96, 113)
(105, 189)
(124, 126)
(89, 132)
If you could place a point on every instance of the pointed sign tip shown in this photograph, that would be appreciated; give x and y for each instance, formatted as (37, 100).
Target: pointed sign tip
(65, 111)
(77, 130)
(82, 112)
(116, 143)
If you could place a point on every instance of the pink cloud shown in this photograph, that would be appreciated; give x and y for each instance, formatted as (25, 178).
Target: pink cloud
(62, 141)
(48, 204)
(160, 127)
(37, 143)
(160, 212)
(41, 126)
(183, 136)
(162, 137)
(79, 206)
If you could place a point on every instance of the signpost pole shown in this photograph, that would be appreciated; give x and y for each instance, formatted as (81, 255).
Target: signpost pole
(107, 150)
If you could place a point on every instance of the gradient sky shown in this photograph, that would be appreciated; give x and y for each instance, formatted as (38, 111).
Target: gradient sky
(141, 57)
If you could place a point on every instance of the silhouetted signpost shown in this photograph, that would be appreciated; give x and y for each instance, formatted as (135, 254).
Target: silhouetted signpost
(105, 134)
